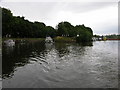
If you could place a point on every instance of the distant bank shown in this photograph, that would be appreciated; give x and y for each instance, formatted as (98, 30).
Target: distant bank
(113, 39)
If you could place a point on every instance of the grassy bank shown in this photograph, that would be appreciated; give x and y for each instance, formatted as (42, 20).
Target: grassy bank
(56, 39)
(64, 39)
(25, 39)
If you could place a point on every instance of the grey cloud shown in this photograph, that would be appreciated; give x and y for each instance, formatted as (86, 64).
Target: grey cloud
(84, 7)
(47, 11)
(112, 29)
(50, 7)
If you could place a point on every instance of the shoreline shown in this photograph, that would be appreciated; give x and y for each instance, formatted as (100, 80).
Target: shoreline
(113, 39)
(56, 39)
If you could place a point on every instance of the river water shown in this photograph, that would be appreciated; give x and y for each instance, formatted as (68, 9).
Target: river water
(60, 65)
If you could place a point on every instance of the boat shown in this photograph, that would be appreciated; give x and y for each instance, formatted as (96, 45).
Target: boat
(9, 42)
(49, 40)
(104, 38)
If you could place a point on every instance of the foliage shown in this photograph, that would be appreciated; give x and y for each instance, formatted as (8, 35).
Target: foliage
(65, 29)
(19, 27)
(64, 39)
(113, 36)
(85, 33)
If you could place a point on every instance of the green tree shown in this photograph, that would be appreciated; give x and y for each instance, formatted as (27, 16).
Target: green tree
(50, 31)
(85, 33)
(17, 26)
(65, 29)
(6, 20)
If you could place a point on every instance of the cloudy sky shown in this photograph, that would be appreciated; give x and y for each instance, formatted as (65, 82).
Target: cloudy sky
(101, 16)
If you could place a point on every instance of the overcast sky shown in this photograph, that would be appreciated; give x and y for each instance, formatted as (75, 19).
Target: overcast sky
(101, 16)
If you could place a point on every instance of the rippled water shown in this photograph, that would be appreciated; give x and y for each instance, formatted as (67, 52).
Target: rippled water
(61, 65)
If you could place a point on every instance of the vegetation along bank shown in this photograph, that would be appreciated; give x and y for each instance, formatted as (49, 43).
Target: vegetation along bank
(19, 27)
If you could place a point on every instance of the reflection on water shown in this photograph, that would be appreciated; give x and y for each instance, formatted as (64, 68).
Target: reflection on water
(18, 56)
(61, 65)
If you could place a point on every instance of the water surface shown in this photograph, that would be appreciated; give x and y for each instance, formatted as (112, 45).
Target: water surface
(61, 65)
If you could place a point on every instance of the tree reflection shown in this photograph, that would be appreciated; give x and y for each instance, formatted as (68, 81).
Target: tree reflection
(62, 49)
(86, 44)
(68, 48)
(18, 55)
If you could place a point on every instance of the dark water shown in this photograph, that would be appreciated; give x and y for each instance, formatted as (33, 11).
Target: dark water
(61, 65)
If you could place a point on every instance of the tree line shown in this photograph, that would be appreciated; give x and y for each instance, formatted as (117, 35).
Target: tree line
(113, 36)
(19, 27)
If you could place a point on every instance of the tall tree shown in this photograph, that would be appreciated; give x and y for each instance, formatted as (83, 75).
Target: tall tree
(6, 20)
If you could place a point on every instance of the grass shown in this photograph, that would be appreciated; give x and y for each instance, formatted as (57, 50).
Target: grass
(25, 39)
(56, 39)
(64, 39)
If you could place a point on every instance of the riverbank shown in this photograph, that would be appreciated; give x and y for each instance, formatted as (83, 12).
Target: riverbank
(56, 39)
(112, 39)
(64, 39)
(25, 39)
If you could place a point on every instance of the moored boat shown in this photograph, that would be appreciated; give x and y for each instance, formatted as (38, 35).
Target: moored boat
(9, 42)
(49, 40)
